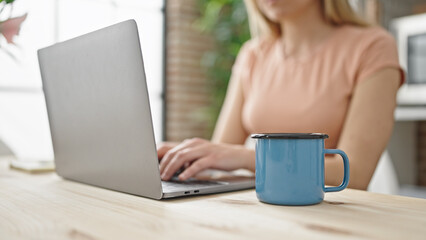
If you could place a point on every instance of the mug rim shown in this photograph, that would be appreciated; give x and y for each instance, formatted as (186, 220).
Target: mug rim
(289, 136)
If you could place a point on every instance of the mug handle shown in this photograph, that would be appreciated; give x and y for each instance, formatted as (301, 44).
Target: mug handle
(345, 168)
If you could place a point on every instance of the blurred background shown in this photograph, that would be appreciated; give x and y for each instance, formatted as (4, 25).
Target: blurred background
(189, 47)
(24, 128)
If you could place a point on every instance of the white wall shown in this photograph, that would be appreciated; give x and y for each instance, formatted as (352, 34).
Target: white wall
(23, 118)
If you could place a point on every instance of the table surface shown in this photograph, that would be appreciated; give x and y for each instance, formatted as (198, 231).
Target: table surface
(44, 206)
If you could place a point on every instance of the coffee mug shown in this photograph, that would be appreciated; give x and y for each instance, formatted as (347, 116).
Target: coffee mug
(290, 168)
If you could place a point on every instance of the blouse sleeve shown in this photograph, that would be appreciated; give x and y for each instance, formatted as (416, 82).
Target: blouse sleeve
(379, 52)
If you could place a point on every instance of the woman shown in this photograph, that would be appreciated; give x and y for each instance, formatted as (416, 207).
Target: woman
(312, 66)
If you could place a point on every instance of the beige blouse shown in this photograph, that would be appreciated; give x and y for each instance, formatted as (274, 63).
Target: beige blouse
(287, 95)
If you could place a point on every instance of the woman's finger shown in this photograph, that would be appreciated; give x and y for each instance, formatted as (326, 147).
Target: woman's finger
(163, 148)
(196, 167)
(181, 158)
(172, 152)
(169, 155)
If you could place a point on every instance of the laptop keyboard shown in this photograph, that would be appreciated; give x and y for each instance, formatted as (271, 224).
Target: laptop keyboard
(176, 185)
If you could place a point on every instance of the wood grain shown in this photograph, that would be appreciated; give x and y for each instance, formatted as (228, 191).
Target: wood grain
(44, 206)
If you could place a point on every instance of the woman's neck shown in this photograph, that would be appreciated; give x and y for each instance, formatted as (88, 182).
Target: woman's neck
(303, 32)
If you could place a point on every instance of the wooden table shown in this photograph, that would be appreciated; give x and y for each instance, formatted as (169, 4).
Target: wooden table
(44, 206)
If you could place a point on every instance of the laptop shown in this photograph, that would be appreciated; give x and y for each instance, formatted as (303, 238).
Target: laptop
(100, 118)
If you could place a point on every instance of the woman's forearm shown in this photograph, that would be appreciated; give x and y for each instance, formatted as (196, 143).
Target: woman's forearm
(333, 171)
(249, 160)
(367, 129)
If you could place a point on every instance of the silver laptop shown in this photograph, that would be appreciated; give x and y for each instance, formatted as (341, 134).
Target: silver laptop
(100, 117)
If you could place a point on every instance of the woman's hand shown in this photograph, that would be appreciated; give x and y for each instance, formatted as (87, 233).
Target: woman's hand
(164, 147)
(198, 154)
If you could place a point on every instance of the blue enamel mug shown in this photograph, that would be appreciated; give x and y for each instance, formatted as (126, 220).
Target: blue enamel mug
(290, 168)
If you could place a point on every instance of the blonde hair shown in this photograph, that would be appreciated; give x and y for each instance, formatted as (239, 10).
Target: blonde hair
(335, 12)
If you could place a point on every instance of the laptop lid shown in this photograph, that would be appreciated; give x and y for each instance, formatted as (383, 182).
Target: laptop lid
(99, 111)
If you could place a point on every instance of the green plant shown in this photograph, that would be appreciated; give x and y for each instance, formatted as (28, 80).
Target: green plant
(226, 21)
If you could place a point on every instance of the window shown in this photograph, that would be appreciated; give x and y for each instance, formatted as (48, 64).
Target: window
(23, 118)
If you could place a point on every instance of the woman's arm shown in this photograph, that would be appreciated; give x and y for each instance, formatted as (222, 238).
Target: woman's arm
(229, 127)
(367, 129)
(225, 153)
